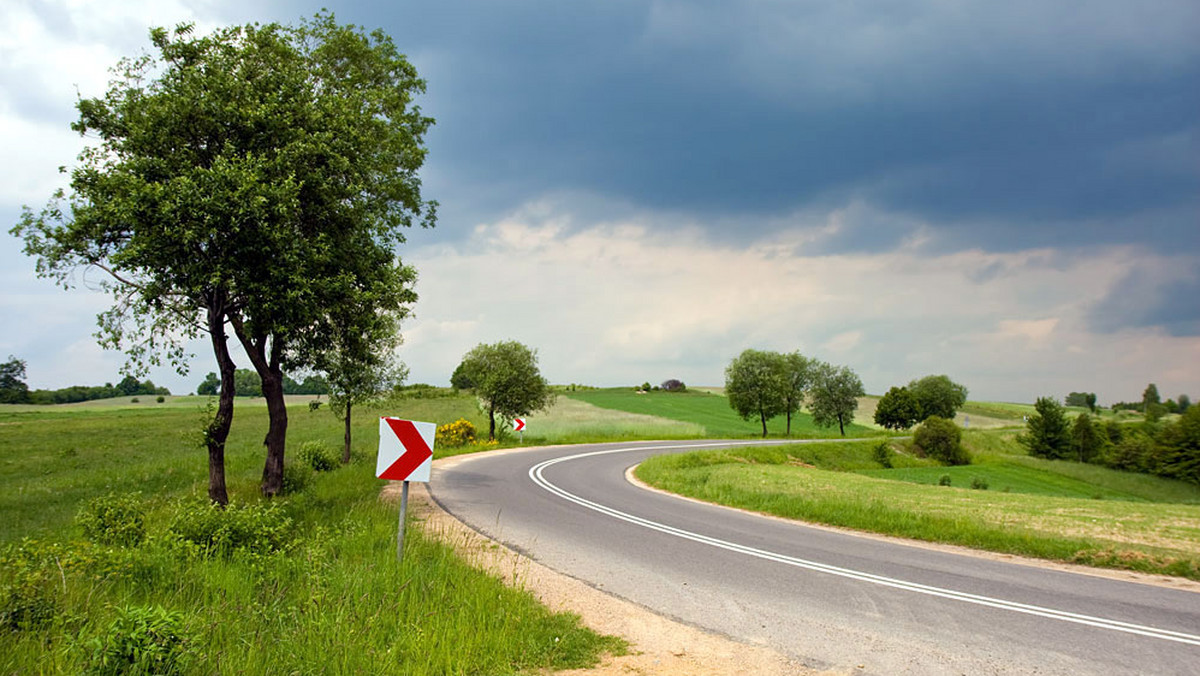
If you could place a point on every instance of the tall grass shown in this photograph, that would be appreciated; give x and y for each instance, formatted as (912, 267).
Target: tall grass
(334, 600)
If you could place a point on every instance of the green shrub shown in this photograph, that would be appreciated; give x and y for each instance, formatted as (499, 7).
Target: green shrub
(979, 483)
(458, 433)
(161, 399)
(134, 400)
(318, 456)
(883, 455)
(29, 598)
(213, 531)
(944, 480)
(296, 478)
(941, 440)
(142, 640)
(114, 520)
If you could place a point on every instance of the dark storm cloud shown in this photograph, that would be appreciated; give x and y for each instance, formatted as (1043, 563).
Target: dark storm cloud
(1003, 121)
(1145, 300)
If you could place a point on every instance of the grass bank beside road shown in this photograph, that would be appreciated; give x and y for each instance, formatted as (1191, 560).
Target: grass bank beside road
(1100, 517)
(313, 585)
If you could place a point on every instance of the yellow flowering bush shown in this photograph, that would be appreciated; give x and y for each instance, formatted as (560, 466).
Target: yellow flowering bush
(458, 433)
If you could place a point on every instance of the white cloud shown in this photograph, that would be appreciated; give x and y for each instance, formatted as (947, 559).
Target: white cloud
(619, 302)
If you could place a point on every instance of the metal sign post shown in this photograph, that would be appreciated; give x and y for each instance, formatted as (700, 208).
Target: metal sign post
(405, 454)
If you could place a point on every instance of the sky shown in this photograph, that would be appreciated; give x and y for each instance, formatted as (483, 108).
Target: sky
(1006, 193)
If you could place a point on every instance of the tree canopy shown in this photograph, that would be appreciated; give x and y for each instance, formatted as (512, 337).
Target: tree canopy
(897, 410)
(13, 389)
(257, 178)
(938, 395)
(506, 379)
(833, 397)
(1048, 434)
(756, 385)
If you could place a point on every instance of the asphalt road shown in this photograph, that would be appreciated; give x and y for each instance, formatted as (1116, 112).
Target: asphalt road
(825, 598)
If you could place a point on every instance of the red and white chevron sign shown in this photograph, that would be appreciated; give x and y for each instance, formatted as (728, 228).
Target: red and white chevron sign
(519, 424)
(405, 449)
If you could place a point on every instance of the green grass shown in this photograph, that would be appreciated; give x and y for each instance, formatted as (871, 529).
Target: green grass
(709, 411)
(1082, 514)
(336, 601)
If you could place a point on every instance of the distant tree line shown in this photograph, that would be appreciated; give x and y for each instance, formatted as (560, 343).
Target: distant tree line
(1164, 448)
(13, 389)
(247, 383)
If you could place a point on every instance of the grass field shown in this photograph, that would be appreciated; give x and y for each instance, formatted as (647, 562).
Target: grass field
(328, 597)
(1054, 510)
(709, 411)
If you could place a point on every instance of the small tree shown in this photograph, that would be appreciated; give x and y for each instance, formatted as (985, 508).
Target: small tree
(755, 385)
(938, 395)
(897, 410)
(1048, 433)
(1086, 442)
(1152, 403)
(210, 386)
(507, 381)
(13, 389)
(673, 385)
(797, 376)
(833, 396)
(941, 439)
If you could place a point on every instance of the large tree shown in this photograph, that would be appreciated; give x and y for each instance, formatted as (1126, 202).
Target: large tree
(756, 385)
(506, 379)
(897, 410)
(834, 394)
(254, 178)
(938, 395)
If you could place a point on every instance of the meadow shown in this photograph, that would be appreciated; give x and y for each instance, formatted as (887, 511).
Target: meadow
(1019, 505)
(309, 582)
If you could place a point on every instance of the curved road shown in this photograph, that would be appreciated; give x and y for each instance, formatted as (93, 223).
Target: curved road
(827, 599)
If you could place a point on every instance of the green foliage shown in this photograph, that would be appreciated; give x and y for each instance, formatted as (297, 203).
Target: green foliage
(1086, 442)
(458, 433)
(941, 440)
(897, 410)
(13, 389)
(1152, 405)
(756, 385)
(318, 456)
(673, 385)
(883, 455)
(1082, 400)
(798, 375)
(297, 478)
(29, 596)
(142, 640)
(833, 396)
(1048, 434)
(979, 483)
(210, 386)
(507, 381)
(1181, 441)
(944, 480)
(938, 395)
(211, 530)
(114, 519)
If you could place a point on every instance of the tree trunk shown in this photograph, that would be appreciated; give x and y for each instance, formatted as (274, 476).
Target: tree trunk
(272, 385)
(789, 422)
(841, 425)
(218, 428)
(491, 424)
(267, 363)
(346, 449)
(763, 417)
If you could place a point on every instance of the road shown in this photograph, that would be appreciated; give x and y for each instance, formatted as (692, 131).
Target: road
(826, 598)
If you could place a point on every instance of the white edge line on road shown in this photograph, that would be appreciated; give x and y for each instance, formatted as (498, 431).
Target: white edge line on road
(535, 473)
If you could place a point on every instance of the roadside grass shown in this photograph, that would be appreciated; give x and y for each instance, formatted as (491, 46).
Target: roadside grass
(333, 600)
(710, 411)
(1139, 523)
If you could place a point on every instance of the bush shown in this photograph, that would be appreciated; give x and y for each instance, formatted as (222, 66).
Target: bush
(674, 385)
(28, 599)
(883, 455)
(134, 400)
(941, 440)
(296, 477)
(114, 520)
(318, 456)
(458, 433)
(944, 480)
(979, 483)
(161, 399)
(213, 531)
(142, 640)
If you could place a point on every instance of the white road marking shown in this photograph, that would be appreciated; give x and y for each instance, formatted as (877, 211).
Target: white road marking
(535, 473)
